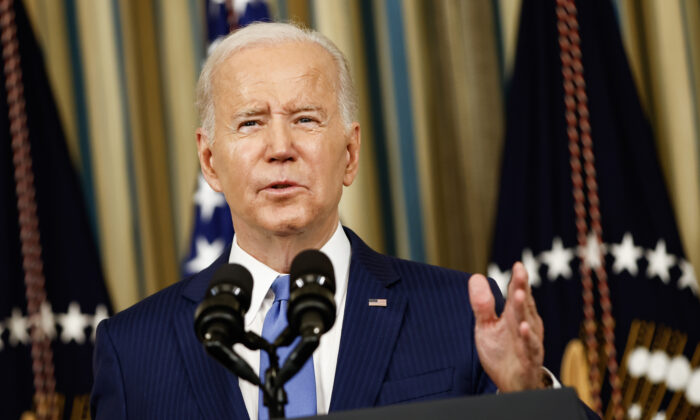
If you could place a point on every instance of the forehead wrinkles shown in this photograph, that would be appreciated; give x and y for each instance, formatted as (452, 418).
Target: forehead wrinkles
(252, 78)
(312, 87)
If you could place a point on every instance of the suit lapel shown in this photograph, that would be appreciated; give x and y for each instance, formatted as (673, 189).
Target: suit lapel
(216, 390)
(368, 338)
(369, 332)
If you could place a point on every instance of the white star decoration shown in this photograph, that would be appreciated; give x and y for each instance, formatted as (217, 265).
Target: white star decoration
(593, 251)
(688, 278)
(660, 262)
(207, 199)
(502, 277)
(626, 255)
(73, 323)
(18, 326)
(558, 260)
(205, 254)
(532, 266)
(47, 321)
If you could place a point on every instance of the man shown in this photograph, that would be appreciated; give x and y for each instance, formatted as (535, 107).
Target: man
(279, 138)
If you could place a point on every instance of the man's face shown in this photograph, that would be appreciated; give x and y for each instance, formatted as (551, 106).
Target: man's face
(282, 152)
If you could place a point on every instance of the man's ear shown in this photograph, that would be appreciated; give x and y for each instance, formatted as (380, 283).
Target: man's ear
(353, 154)
(206, 159)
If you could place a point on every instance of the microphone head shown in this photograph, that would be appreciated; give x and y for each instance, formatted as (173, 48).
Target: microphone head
(221, 314)
(316, 263)
(235, 279)
(311, 307)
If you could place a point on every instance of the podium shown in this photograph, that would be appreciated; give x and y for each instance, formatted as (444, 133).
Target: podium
(529, 405)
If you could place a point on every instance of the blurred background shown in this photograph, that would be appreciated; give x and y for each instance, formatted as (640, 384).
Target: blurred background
(432, 78)
(464, 164)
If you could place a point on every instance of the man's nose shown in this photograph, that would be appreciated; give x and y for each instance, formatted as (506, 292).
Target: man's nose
(280, 142)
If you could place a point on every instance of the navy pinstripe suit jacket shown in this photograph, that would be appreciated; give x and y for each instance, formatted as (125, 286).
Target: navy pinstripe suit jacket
(148, 363)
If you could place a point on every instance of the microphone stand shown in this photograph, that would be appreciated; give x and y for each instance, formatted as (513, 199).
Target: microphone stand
(274, 395)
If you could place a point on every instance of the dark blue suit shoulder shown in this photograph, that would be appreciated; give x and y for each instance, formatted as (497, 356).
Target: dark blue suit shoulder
(413, 269)
(417, 276)
(147, 311)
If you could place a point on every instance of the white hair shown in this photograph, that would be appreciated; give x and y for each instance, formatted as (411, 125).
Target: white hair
(262, 33)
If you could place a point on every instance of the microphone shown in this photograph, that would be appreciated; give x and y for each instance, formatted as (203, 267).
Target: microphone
(311, 309)
(221, 313)
(219, 319)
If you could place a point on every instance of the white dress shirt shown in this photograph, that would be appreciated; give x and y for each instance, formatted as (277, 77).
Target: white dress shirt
(326, 355)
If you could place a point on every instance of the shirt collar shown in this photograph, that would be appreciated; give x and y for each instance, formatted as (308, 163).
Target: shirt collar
(337, 249)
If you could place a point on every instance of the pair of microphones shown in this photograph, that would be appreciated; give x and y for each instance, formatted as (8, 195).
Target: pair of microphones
(311, 311)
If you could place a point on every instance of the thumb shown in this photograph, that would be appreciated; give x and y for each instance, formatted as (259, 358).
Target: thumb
(481, 298)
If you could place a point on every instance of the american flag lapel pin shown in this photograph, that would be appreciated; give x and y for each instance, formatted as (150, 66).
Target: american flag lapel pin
(377, 302)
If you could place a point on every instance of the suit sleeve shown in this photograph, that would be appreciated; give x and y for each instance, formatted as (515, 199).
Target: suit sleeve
(108, 396)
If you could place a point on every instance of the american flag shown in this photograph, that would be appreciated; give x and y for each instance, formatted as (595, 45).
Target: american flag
(377, 302)
(583, 204)
(212, 229)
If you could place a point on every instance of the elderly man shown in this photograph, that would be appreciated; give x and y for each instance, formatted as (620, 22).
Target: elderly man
(279, 138)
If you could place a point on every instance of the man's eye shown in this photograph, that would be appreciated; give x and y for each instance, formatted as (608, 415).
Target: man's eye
(249, 124)
(305, 120)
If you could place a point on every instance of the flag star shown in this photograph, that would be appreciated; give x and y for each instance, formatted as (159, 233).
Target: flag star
(688, 278)
(532, 266)
(660, 262)
(207, 199)
(502, 278)
(593, 251)
(626, 255)
(239, 6)
(205, 254)
(100, 315)
(18, 325)
(73, 324)
(558, 260)
(47, 321)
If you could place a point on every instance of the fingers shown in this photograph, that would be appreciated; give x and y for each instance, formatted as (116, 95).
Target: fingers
(522, 303)
(481, 298)
(519, 281)
(517, 301)
(531, 340)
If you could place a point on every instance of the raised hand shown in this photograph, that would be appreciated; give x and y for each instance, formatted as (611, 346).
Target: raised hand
(511, 346)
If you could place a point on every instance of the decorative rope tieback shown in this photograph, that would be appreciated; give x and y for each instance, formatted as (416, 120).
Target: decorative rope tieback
(42, 356)
(587, 206)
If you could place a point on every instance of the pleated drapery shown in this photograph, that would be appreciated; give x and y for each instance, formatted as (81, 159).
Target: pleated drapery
(431, 77)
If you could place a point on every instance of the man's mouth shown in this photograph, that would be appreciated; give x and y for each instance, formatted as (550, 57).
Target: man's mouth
(281, 185)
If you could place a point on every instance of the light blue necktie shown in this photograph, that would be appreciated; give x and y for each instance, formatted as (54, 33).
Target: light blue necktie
(301, 389)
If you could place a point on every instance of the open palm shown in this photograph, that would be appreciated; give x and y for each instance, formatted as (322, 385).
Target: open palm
(511, 346)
